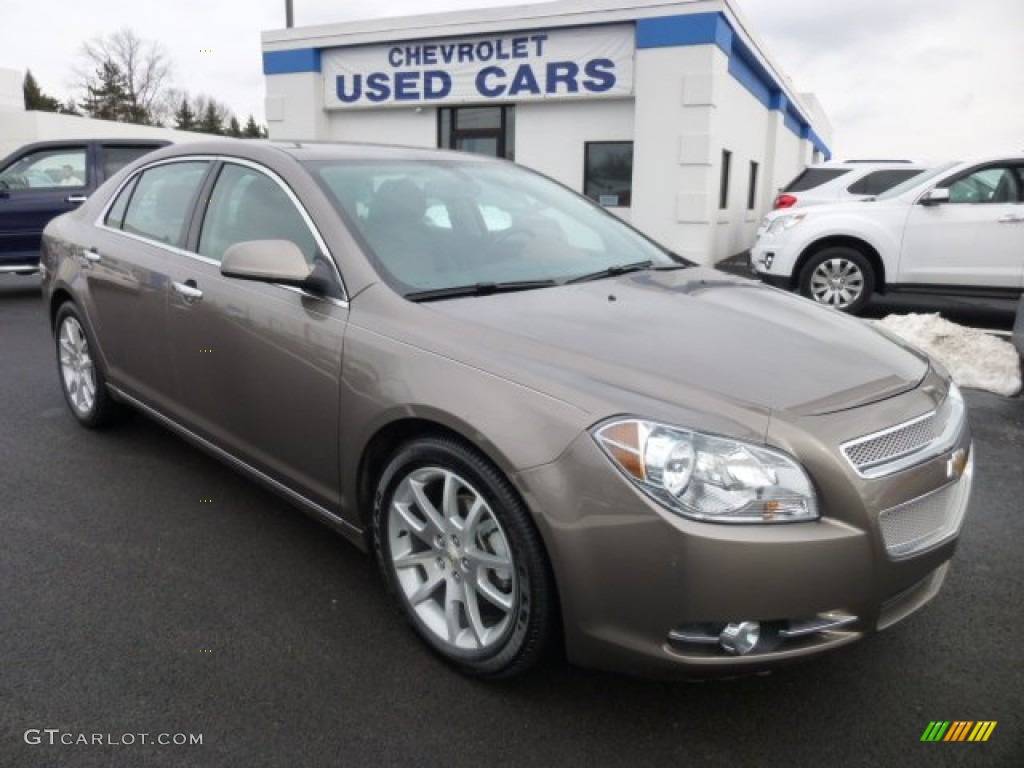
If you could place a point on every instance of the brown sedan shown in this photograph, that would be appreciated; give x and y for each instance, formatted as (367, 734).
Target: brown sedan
(543, 425)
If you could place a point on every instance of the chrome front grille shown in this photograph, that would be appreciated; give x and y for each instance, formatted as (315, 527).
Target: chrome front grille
(928, 520)
(891, 444)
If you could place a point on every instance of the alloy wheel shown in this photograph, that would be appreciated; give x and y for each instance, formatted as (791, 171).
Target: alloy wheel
(76, 366)
(452, 560)
(837, 282)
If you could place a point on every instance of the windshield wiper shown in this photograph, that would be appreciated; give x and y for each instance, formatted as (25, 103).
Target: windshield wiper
(613, 271)
(478, 289)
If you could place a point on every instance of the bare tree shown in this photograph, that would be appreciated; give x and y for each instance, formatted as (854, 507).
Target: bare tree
(144, 66)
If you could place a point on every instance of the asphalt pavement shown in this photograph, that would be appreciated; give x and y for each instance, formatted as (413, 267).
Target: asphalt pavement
(147, 589)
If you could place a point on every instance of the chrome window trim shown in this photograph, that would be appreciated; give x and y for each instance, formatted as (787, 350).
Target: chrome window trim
(100, 221)
(237, 462)
(941, 443)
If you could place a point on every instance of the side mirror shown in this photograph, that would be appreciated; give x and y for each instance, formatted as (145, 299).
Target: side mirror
(935, 196)
(269, 261)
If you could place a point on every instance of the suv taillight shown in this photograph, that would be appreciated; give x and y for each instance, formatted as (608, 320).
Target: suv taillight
(784, 201)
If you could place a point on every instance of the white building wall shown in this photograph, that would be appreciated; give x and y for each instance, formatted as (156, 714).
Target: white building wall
(295, 106)
(675, 111)
(743, 126)
(550, 137)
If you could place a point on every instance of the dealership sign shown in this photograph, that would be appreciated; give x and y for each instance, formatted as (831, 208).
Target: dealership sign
(515, 66)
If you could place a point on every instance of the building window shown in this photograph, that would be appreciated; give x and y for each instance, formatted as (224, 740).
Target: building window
(487, 131)
(608, 172)
(723, 188)
(752, 188)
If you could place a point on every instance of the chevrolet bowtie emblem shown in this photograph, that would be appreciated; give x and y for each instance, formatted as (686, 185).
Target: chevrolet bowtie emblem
(956, 464)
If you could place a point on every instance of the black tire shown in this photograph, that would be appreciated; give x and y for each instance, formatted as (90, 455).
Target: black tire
(840, 277)
(497, 528)
(76, 366)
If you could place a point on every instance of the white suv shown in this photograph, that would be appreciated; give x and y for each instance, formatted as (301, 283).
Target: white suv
(957, 229)
(839, 182)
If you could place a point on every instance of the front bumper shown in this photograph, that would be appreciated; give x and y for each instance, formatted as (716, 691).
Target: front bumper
(773, 261)
(636, 580)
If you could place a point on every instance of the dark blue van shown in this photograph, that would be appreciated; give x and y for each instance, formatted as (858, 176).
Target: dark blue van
(43, 180)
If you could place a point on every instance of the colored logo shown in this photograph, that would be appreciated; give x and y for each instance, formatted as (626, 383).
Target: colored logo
(958, 730)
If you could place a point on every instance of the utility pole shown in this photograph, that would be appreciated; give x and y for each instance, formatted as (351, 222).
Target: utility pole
(289, 20)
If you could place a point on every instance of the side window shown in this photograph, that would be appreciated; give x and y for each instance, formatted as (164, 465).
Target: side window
(160, 204)
(115, 216)
(46, 169)
(118, 156)
(988, 185)
(877, 182)
(248, 205)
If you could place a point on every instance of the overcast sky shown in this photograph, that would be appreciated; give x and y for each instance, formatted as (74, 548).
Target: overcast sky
(923, 79)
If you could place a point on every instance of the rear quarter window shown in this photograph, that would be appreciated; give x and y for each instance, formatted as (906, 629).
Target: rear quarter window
(810, 178)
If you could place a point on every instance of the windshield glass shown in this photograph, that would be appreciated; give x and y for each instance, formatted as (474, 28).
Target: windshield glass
(436, 224)
(913, 181)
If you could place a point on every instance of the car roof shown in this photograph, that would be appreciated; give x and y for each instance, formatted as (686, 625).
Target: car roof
(313, 151)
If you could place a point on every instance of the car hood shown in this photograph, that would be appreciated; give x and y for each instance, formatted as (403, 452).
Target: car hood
(661, 334)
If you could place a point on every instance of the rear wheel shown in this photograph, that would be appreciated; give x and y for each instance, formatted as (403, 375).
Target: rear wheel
(460, 554)
(838, 277)
(81, 378)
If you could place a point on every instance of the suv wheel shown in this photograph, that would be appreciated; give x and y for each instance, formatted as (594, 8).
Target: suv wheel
(838, 277)
(459, 552)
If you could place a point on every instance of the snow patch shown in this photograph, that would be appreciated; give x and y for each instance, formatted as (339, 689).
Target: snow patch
(974, 358)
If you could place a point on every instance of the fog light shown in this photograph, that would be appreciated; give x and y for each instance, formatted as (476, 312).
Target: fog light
(768, 259)
(740, 638)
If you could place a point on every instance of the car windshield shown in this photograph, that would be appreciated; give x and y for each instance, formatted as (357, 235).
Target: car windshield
(914, 181)
(436, 225)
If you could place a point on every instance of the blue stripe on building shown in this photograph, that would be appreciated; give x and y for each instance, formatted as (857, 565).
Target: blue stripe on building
(290, 62)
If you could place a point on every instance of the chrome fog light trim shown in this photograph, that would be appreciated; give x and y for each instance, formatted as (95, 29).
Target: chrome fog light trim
(740, 638)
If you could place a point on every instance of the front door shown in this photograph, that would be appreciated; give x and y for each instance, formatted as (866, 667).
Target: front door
(976, 239)
(34, 188)
(256, 365)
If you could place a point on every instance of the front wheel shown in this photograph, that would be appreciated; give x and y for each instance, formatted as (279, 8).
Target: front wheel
(459, 551)
(838, 277)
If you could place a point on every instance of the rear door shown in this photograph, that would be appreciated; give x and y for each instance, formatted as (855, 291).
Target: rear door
(128, 265)
(257, 366)
(976, 240)
(36, 186)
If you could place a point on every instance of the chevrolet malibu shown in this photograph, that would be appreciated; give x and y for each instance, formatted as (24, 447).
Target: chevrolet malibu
(547, 429)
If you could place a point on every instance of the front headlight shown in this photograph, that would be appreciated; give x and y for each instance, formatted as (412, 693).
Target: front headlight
(709, 478)
(782, 223)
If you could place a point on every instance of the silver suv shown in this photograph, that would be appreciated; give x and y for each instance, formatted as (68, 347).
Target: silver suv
(845, 181)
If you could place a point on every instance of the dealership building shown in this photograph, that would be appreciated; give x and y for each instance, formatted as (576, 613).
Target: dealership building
(670, 114)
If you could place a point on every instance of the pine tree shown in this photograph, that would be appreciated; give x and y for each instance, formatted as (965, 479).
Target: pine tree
(211, 121)
(35, 99)
(252, 130)
(107, 99)
(234, 129)
(184, 117)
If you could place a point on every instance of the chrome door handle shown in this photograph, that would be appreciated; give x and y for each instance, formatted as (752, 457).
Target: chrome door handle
(190, 293)
(91, 254)
(1011, 218)
(74, 199)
